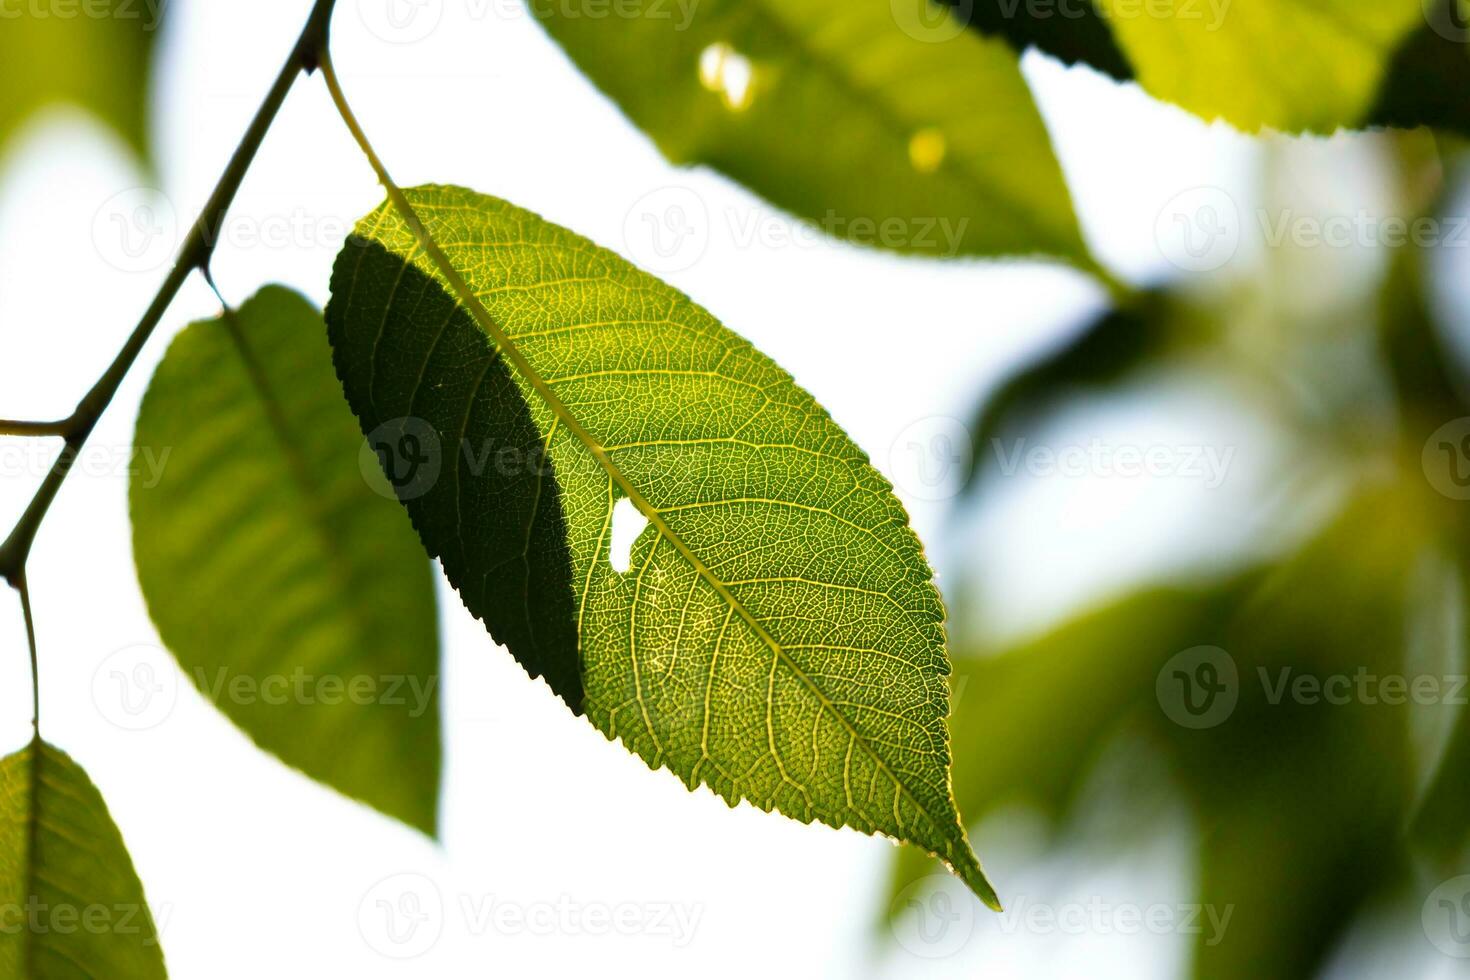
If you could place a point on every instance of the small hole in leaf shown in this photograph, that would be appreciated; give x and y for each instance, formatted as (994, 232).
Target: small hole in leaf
(627, 523)
(728, 73)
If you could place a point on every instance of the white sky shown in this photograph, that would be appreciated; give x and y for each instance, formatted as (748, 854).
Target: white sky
(255, 871)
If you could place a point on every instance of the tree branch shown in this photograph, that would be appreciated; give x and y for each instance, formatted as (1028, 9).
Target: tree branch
(194, 254)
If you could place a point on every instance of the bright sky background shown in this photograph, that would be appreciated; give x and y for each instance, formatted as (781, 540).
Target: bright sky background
(255, 871)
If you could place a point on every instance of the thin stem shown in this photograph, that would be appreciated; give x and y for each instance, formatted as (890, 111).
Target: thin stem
(25, 609)
(194, 254)
(57, 428)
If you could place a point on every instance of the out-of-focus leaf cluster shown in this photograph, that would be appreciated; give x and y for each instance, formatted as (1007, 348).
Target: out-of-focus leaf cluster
(1313, 803)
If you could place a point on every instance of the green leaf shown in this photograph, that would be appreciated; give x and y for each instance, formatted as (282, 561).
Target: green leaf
(70, 902)
(1291, 65)
(293, 595)
(1107, 351)
(97, 57)
(842, 113)
(776, 635)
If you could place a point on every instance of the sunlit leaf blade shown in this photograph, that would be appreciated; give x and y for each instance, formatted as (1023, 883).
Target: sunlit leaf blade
(1337, 53)
(290, 588)
(94, 55)
(71, 905)
(852, 115)
(776, 635)
(1289, 65)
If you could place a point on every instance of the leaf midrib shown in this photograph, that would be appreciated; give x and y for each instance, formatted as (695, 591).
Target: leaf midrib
(889, 118)
(564, 414)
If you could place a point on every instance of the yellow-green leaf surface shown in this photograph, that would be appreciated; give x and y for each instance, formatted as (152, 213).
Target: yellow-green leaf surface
(94, 55)
(1288, 64)
(775, 634)
(835, 112)
(292, 591)
(71, 905)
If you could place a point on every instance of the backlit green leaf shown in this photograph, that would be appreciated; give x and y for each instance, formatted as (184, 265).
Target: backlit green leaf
(775, 634)
(294, 596)
(856, 116)
(71, 905)
(1290, 65)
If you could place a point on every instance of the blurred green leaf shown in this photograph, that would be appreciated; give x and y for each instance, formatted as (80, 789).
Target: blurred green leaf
(1105, 352)
(295, 597)
(775, 634)
(844, 114)
(1300, 782)
(96, 55)
(1065, 693)
(71, 905)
